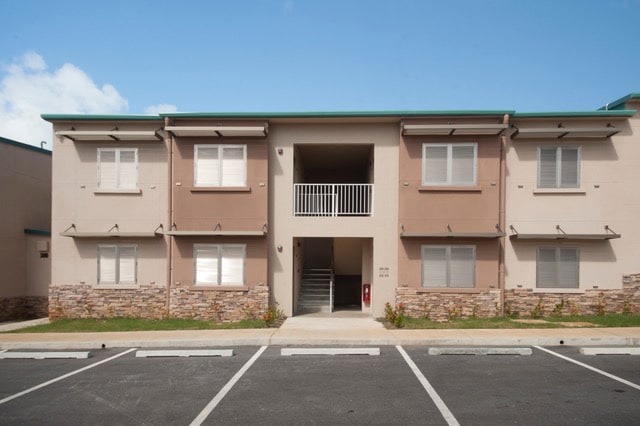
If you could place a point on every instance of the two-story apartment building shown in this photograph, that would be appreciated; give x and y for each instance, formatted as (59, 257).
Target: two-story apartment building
(218, 215)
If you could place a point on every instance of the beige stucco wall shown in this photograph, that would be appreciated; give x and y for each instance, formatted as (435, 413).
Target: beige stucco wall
(25, 202)
(381, 226)
(76, 202)
(607, 196)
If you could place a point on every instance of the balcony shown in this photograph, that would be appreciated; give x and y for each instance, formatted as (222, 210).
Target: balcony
(329, 199)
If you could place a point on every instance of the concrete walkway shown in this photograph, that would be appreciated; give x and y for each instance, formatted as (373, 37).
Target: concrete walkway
(350, 329)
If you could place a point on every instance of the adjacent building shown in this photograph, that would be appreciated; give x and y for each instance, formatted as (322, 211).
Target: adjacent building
(25, 208)
(450, 213)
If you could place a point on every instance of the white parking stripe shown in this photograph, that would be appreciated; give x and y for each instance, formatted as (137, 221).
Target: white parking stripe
(581, 364)
(444, 410)
(223, 392)
(57, 379)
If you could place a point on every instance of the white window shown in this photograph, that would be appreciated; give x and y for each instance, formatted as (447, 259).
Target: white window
(557, 267)
(117, 168)
(449, 164)
(117, 264)
(220, 165)
(559, 167)
(219, 264)
(448, 266)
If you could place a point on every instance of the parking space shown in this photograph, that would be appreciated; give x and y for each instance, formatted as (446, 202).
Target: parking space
(261, 386)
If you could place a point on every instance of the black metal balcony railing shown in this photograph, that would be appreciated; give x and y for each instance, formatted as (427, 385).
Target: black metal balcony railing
(327, 199)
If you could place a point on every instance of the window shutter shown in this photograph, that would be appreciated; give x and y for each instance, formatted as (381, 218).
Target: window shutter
(462, 165)
(207, 265)
(547, 166)
(127, 265)
(435, 165)
(207, 166)
(107, 173)
(233, 166)
(107, 264)
(546, 267)
(569, 167)
(568, 268)
(232, 265)
(128, 169)
(462, 267)
(434, 269)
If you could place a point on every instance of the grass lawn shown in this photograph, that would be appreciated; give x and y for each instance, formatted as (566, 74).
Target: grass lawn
(135, 324)
(609, 320)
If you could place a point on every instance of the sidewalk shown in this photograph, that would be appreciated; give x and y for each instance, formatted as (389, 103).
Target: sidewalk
(325, 330)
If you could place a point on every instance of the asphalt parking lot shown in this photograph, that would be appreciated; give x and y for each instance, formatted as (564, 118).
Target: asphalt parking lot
(258, 385)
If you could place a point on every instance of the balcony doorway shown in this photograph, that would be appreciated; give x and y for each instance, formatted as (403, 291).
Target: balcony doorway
(333, 180)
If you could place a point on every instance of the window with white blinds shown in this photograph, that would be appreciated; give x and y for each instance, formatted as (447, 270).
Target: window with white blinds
(445, 266)
(117, 168)
(451, 164)
(219, 264)
(559, 167)
(117, 264)
(557, 267)
(220, 165)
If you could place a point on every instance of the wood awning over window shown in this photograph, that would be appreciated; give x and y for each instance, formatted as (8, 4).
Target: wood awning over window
(452, 129)
(561, 132)
(220, 131)
(563, 236)
(217, 233)
(109, 135)
(452, 234)
(114, 232)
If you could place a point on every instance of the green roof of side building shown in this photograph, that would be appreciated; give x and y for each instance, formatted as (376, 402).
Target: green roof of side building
(569, 114)
(25, 146)
(619, 104)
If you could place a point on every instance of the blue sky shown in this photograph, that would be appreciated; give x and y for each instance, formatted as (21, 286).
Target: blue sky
(132, 57)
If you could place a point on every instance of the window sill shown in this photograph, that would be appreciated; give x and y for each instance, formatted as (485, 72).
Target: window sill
(219, 287)
(559, 191)
(117, 191)
(220, 189)
(450, 189)
(116, 286)
(559, 290)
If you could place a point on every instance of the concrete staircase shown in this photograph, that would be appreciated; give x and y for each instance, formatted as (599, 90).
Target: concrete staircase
(315, 291)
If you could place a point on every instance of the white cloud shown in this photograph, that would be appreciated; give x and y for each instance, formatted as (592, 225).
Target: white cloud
(155, 109)
(28, 89)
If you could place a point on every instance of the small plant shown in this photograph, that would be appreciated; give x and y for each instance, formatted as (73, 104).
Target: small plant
(537, 311)
(454, 311)
(509, 312)
(557, 310)
(626, 307)
(395, 315)
(474, 310)
(250, 311)
(574, 308)
(601, 306)
(272, 315)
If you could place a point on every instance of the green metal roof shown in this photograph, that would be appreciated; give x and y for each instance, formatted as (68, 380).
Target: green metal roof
(93, 117)
(569, 114)
(37, 232)
(619, 103)
(24, 145)
(333, 114)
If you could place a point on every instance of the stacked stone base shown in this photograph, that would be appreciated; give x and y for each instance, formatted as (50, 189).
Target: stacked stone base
(21, 308)
(150, 302)
(441, 307)
(223, 305)
(592, 302)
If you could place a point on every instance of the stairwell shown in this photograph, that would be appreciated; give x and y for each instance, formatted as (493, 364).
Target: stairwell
(315, 291)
